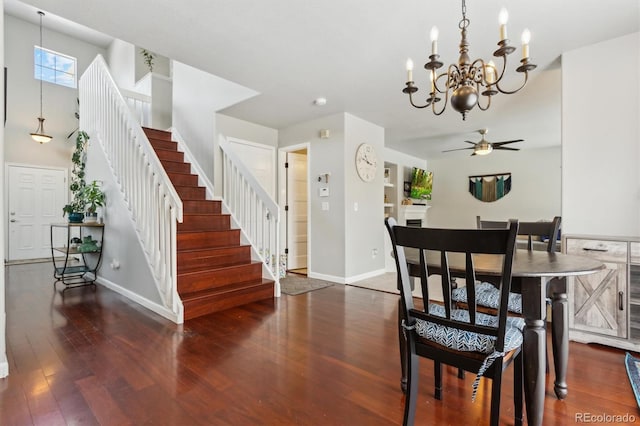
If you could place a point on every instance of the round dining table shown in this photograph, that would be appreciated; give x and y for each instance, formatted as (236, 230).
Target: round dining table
(540, 274)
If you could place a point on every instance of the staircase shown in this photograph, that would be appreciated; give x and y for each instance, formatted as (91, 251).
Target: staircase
(215, 271)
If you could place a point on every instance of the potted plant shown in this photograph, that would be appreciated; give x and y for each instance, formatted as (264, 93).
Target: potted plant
(148, 58)
(94, 198)
(75, 208)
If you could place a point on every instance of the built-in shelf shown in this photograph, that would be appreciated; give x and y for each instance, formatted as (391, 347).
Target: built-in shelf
(389, 205)
(389, 185)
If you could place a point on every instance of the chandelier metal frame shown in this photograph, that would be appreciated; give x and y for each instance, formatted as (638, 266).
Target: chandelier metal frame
(466, 79)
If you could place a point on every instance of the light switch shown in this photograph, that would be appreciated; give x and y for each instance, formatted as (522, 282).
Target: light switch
(325, 205)
(355, 207)
(323, 192)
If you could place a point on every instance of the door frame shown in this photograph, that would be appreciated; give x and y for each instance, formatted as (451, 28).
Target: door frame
(282, 197)
(7, 185)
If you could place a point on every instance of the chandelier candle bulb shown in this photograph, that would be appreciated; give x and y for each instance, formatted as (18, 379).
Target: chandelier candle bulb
(490, 72)
(409, 70)
(434, 40)
(526, 38)
(503, 17)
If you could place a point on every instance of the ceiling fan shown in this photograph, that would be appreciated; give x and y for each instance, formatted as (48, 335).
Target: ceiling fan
(484, 147)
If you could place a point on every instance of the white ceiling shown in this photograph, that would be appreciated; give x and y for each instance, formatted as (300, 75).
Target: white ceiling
(353, 53)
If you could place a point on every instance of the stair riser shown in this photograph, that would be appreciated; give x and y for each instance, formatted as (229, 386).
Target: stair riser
(179, 179)
(207, 206)
(174, 166)
(205, 240)
(217, 303)
(205, 223)
(157, 134)
(217, 278)
(163, 144)
(163, 154)
(214, 258)
(191, 192)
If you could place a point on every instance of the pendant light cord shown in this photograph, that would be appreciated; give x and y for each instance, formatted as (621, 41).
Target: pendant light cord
(41, 15)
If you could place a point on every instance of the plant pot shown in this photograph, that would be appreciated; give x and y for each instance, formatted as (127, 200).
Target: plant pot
(76, 217)
(91, 217)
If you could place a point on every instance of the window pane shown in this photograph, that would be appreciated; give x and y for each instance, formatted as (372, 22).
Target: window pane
(66, 65)
(48, 75)
(54, 67)
(65, 79)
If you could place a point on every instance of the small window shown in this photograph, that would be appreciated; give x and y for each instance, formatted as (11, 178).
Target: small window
(54, 67)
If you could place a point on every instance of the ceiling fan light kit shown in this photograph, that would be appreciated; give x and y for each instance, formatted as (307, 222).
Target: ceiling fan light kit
(485, 147)
(466, 80)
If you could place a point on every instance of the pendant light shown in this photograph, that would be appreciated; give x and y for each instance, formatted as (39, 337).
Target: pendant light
(39, 135)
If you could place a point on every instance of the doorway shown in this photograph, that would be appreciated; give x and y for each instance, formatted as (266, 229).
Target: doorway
(36, 197)
(294, 193)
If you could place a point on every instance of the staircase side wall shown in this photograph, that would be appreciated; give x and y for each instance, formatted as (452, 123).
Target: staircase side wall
(124, 266)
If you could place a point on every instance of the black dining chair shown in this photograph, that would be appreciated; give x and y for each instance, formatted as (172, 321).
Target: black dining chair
(463, 338)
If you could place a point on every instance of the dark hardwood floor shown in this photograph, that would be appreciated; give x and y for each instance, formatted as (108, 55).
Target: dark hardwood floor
(328, 357)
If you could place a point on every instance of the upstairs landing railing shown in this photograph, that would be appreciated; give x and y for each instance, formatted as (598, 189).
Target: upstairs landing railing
(253, 209)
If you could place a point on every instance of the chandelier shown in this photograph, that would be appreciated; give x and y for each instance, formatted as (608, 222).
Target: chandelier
(39, 135)
(466, 79)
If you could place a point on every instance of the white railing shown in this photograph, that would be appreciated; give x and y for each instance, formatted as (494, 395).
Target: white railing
(154, 204)
(252, 208)
(139, 105)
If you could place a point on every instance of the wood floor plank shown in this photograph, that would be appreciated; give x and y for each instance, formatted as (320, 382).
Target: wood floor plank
(329, 357)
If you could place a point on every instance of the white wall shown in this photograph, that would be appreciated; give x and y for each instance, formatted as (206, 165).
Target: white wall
(601, 138)
(161, 64)
(327, 227)
(535, 190)
(23, 95)
(364, 224)
(342, 239)
(121, 60)
(120, 242)
(241, 129)
(197, 96)
(4, 364)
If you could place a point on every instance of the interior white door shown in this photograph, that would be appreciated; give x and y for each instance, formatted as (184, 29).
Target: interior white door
(36, 198)
(297, 214)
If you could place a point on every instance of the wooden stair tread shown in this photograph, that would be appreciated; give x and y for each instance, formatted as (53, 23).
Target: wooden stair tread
(215, 271)
(226, 289)
(202, 272)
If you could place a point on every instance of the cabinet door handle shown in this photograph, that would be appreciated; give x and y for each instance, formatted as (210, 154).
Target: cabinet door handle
(594, 249)
(621, 301)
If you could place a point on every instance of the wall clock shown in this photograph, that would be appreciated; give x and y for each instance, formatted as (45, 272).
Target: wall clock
(366, 162)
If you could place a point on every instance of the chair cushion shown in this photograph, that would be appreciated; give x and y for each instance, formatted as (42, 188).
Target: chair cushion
(488, 295)
(467, 341)
(462, 340)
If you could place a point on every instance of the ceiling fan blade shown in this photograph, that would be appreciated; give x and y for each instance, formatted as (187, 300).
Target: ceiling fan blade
(472, 143)
(458, 149)
(506, 148)
(495, 144)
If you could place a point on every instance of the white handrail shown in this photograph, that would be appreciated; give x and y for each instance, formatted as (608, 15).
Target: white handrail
(153, 201)
(253, 209)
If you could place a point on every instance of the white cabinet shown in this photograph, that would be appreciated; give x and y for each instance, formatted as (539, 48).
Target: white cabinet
(604, 307)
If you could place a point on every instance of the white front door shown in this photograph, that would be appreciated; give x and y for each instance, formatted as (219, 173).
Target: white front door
(36, 198)
(297, 214)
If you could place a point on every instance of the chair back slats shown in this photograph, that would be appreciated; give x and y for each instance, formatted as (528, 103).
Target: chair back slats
(424, 284)
(530, 229)
(446, 243)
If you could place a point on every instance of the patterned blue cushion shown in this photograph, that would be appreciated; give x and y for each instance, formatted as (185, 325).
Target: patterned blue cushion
(462, 340)
(488, 295)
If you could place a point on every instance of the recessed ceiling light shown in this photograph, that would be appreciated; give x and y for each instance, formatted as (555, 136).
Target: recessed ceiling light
(320, 101)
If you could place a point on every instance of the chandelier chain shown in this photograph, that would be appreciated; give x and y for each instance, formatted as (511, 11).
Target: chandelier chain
(464, 22)
(40, 13)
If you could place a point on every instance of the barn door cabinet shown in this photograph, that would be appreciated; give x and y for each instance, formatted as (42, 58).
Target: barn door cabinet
(604, 307)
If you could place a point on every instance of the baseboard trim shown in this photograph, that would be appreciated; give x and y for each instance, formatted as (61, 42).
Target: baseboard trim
(364, 276)
(4, 366)
(331, 278)
(152, 306)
